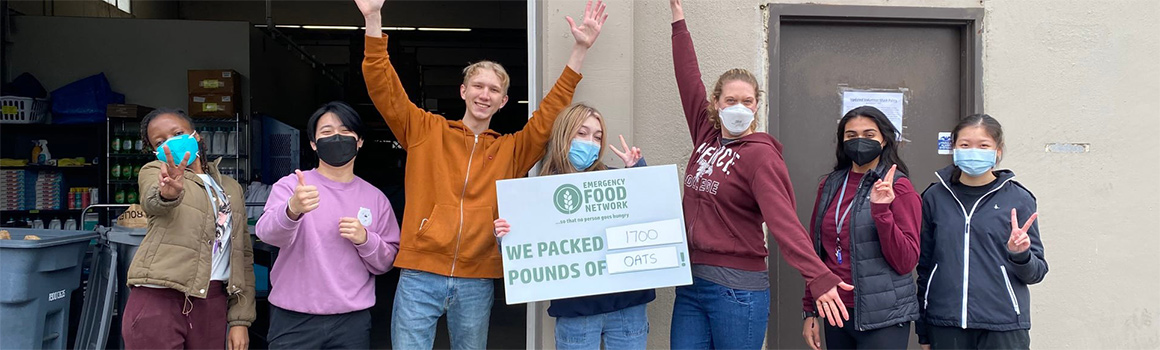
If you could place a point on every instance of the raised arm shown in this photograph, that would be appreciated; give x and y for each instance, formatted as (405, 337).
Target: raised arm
(530, 141)
(693, 96)
(408, 122)
(897, 210)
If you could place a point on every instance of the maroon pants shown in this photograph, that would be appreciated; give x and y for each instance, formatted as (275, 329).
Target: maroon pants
(162, 318)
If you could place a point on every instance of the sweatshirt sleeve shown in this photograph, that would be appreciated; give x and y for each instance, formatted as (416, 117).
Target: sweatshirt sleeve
(274, 227)
(692, 89)
(409, 123)
(774, 193)
(925, 264)
(382, 245)
(897, 225)
(531, 141)
(242, 308)
(807, 298)
(1030, 266)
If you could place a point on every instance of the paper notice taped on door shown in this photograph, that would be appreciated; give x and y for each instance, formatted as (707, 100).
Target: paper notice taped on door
(890, 103)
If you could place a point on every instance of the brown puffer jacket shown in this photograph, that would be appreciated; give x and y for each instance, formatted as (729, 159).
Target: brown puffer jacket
(177, 250)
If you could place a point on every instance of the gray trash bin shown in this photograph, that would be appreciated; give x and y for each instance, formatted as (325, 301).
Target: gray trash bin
(101, 326)
(125, 241)
(100, 298)
(37, 279)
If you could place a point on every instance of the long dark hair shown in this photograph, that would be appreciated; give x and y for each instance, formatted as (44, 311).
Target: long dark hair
(889, 154)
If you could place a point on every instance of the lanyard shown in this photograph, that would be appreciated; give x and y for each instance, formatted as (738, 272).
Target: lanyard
(842, 220)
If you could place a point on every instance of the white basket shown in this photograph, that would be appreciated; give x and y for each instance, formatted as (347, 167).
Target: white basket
(23, 110)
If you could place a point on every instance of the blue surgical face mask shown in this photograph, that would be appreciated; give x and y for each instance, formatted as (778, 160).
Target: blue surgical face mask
(975, 161)
(583, 153)
(178, 145)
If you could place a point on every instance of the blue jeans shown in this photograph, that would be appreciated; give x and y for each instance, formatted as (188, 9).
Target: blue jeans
(422, 298)
(621, 329)
(707, 315)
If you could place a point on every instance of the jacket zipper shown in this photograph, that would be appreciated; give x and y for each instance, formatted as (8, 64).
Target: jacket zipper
(467, 176)
(967, 237)
(853, 243)
(1010, 291)
(926, 296)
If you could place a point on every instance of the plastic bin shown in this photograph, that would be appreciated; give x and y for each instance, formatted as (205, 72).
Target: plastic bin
(37, 279)
(100, 297)
(23, 110)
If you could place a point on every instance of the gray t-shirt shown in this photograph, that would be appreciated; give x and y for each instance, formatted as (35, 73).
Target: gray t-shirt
(220, 266)
(733, 278)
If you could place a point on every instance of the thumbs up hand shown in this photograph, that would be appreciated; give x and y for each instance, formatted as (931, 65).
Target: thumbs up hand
(304, 199)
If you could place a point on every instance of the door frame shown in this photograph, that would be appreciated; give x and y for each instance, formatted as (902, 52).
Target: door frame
(969, 22)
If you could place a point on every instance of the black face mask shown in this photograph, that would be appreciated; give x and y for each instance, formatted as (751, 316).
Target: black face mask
(862, 150)
(336, 150)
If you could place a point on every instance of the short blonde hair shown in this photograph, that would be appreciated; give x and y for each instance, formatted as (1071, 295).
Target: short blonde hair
(474, 68)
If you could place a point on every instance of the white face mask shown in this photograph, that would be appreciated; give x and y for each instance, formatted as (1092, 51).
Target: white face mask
(736, 118)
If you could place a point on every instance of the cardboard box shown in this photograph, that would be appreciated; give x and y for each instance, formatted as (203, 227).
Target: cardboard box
(127, 111)
(215, 81)
(212, 105)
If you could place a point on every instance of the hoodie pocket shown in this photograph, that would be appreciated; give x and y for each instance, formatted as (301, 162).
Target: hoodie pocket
(438, 231)
(477, 241)
(1010, 291)
(710, 232)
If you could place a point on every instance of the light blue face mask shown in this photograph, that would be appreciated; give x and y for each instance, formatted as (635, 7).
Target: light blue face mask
(178, 145)
(583, 153)
(975, 161)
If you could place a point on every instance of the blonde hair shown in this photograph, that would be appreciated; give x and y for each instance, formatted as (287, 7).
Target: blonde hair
(563, 131)
(475, 68)
(738, 74)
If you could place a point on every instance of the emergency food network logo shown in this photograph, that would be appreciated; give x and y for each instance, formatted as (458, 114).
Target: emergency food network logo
(567, 199)
(596, 196)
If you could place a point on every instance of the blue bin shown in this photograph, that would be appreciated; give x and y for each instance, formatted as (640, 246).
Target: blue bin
(37, 279)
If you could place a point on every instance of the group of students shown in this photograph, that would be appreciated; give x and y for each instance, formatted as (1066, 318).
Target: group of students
(192, 283)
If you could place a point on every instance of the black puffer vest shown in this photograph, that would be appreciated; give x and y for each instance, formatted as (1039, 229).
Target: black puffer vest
(882, 296)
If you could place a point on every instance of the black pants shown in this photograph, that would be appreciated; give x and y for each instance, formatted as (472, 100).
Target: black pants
(958, 338)
(891, 337)
(295, 330)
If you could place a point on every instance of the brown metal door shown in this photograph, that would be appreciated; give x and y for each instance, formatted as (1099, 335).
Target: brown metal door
(814, 59)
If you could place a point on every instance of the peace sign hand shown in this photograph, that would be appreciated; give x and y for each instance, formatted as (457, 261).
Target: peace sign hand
(169, 180)
(630, 156)
(883, 191)
(1020, 241)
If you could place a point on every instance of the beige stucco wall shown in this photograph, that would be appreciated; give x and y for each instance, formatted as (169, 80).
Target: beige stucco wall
(1054, 71)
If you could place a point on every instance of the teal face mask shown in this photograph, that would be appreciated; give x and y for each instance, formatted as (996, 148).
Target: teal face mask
(179, 145)
(974, 161)
(583, 153)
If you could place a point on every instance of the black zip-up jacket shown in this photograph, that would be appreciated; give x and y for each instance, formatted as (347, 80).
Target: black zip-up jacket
(966, 276)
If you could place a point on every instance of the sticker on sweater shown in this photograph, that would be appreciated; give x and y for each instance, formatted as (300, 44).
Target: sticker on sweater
(364, 217)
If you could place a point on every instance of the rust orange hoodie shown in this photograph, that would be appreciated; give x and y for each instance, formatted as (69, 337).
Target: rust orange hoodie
(451, 172)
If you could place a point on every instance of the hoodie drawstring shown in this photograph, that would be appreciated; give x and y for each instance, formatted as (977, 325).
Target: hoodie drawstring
(187, 308)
